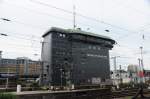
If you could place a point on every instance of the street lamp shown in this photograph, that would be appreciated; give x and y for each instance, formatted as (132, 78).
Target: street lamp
(3, 34)
(5, 19)
(107, 30)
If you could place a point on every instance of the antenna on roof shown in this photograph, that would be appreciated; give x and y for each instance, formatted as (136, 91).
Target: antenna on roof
(74, 17)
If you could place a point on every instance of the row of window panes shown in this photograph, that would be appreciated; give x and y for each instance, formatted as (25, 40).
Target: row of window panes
(60, 44)
(62, 35)
(8, 61)
(95, 47)
(89, 47)
(93, 39)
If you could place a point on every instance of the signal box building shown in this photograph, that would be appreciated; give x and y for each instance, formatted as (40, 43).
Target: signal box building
(75, 57)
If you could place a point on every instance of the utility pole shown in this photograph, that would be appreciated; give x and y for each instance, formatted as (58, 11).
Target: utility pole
(7, 79)
(142, 63)
(120, 75)
(139, 61)
(141, 49)
(115, 66)
(141, 75)
(140, 91)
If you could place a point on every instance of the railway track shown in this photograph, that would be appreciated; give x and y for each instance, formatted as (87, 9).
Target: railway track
(124, 93)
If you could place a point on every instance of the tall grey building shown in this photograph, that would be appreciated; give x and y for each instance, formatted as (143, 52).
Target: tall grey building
(75, 57)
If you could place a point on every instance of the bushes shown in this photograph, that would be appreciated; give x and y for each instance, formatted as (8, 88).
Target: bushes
(7, 96)
(34, 86)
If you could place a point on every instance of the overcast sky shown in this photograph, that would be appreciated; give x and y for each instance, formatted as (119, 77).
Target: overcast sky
(127, 20)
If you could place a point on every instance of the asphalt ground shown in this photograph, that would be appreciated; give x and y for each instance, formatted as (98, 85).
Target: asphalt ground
(147, 96)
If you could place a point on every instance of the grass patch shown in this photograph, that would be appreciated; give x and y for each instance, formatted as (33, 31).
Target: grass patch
(7, 96)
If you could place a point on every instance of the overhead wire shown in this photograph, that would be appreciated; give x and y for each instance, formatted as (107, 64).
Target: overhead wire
(23, 54)
(20, 45)
(50, 15)
(135, 10)
(27, 24)
(84, 16)
(131, 8)
(22, 37)
(90, 18)
(87, 18)
(143, 28)
(98, 21)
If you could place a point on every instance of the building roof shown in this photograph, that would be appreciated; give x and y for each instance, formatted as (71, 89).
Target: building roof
(77, 31)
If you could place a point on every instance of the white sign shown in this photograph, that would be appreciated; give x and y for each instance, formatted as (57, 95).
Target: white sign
(96, 55)
(96, 80)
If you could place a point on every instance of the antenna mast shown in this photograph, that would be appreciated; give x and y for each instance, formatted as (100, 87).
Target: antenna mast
(74, 17)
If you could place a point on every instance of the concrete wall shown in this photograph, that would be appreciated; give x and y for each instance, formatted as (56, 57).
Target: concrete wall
(46, 57)
(80, 94)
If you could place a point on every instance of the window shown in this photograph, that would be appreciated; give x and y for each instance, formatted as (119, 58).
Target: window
(60, 35)
(94, 47)
(63, 35)
(99, 48)
(90, 47)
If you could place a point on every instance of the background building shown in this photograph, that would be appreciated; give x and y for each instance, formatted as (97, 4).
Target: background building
(133, 73)
(20, 68)
(120, 76)
(75, 57)
(147, 76)
(129, 76)
(27, 67)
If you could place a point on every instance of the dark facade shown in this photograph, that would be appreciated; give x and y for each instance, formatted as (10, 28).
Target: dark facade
(75, 57)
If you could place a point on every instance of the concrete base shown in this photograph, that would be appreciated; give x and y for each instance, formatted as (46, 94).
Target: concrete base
(74, 94)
